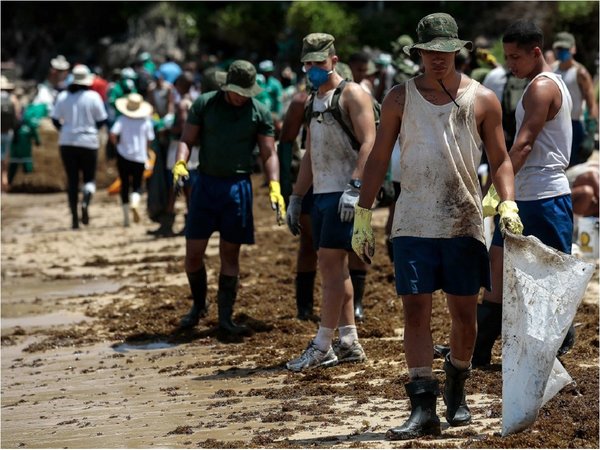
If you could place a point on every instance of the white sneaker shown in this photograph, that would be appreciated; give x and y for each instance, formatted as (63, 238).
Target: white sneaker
(312, 357)
(352, 353)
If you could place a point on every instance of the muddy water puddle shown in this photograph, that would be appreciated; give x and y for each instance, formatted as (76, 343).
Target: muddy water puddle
(58, 318)
(31, 289)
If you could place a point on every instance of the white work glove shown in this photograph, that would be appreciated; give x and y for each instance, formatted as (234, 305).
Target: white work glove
(292, 215)
(347, 202)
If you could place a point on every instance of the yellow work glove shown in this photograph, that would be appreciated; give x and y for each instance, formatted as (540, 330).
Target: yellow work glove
(490, 202)
(509, 217)
(363, 239)
(180, 173)
(277, 202)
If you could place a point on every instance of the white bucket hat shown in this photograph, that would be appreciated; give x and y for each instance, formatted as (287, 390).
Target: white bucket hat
(82, 75)
(134, 106)
(5, 84)
(60, 63)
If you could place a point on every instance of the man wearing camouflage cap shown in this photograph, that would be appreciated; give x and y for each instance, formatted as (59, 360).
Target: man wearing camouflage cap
(443, 118)
(405, 67)
(335, 169)
(227, 125)
(581, 87)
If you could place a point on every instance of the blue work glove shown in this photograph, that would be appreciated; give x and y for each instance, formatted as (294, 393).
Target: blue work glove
(292, 216)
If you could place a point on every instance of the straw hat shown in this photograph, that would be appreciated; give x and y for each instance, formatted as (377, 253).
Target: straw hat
(134, 106)
(82, 75)
(5, 84)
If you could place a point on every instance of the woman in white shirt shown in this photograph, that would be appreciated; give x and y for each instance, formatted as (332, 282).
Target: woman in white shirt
(78, 114)
(131, 134)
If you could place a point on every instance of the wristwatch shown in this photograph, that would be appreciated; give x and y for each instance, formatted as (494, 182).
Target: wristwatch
(355, 183)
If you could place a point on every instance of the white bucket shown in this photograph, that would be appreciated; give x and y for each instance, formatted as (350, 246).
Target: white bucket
(587, 236)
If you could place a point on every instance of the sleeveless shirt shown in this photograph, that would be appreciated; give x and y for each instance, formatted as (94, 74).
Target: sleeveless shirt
(543, 174)
(440, 152)
(332, 156)
(569, 76)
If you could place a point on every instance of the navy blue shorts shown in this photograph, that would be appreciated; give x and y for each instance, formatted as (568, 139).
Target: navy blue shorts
(550, 220)
(222, 204)
(458, 266)
(328, 229)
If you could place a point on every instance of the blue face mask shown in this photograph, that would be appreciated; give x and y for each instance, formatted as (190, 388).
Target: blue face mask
(318, 76)
(563, 55)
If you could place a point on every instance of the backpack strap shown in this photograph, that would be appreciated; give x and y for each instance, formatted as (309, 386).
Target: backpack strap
(334, 110)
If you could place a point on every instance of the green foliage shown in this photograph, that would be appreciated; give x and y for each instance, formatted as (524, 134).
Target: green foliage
(251, 25)
(325, 17)
(573, 10)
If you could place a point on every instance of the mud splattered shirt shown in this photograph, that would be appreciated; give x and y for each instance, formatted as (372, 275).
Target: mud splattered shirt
(333, 159)
(440, 152)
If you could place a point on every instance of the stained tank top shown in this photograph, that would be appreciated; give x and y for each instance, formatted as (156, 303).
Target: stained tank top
(569, 76)
(332, 156)
(543, 174)
(440, 152)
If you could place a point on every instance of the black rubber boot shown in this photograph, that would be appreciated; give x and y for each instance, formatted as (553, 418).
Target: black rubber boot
(166, 226)
(568, 342)
(305, 286)
(489, 327)
(85, 204)
(423, 420)
(226, 298)
(197, 281)
(358, 278)
(74, 216)
(457, 411)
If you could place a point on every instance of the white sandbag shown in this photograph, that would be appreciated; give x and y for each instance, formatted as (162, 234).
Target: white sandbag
(542, 290)
(558, 379)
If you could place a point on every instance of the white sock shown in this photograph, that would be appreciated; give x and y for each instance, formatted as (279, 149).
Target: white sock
(134, 199)
(420, 372)
(348, 335)
(323, 338)
(460, 365)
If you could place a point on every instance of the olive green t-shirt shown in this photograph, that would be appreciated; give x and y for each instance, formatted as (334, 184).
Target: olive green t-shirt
(228, 134)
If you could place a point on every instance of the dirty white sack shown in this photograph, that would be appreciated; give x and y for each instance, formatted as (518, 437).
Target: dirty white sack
(542, 290)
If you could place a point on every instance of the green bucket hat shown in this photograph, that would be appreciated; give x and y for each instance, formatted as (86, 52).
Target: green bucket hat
(315, 47)
(240, 78)
(564, 40)
(402, 41)
(438, 32)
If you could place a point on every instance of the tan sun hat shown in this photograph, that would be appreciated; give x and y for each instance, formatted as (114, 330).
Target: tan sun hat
(134, 106)
(5, 84)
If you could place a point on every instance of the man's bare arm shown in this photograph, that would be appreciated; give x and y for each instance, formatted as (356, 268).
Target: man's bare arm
(378, 161)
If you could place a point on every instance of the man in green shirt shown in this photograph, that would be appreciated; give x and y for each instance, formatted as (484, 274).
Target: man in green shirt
(227, 125)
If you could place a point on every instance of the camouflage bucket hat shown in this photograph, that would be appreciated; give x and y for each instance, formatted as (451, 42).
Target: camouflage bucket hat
(315, 47)
(439, 33)
(240, 78)
(402, 41)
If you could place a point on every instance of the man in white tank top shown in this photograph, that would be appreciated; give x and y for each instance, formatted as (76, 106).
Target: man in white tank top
(540, 156)
(335, 170)
(581, 87)
(442, 117)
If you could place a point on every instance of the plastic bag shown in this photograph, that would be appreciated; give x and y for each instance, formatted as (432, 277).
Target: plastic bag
(542, 290)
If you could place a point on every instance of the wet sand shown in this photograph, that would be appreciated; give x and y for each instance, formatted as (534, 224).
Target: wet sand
(91, 355)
